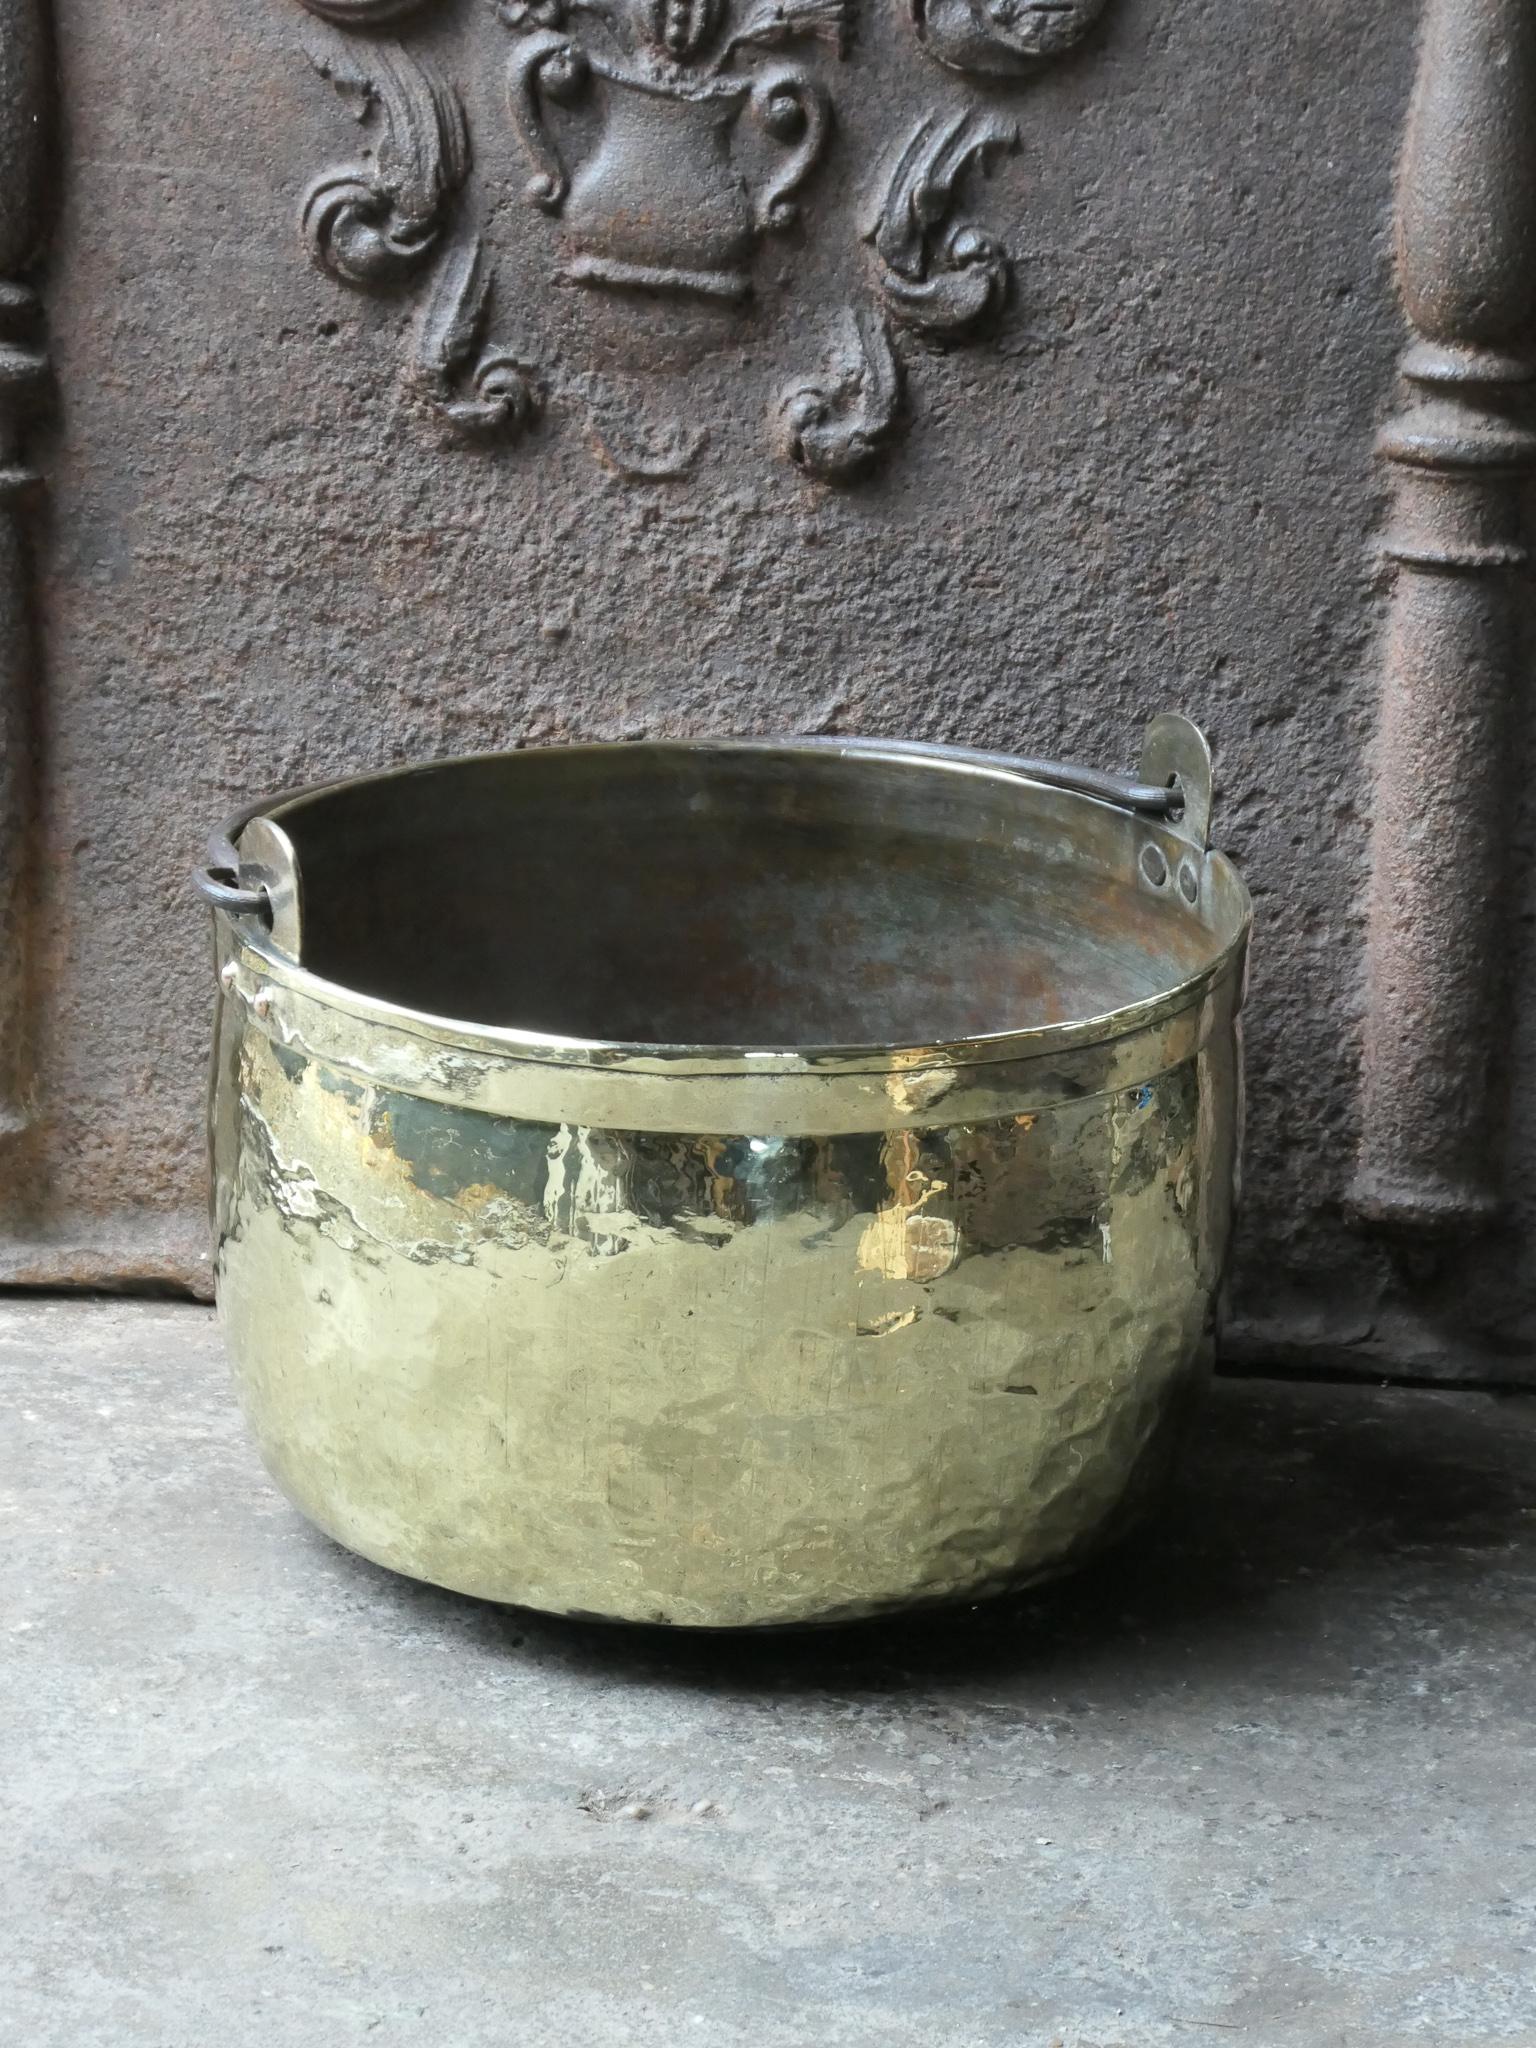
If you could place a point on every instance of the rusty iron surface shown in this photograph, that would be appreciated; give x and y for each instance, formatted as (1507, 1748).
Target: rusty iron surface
(1050, 397)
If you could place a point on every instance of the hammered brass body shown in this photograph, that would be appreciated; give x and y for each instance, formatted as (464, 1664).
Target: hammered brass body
(897, 1297)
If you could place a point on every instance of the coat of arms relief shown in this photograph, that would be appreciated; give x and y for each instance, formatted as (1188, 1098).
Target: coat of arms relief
(663, 145)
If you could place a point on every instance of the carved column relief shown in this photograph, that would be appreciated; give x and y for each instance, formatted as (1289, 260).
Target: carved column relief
(664, 142)
(1461, 455)
(25, 141)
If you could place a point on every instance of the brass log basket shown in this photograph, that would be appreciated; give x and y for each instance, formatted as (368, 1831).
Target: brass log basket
(726, 1183)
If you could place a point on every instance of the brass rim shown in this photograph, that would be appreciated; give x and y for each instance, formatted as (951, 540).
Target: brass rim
(515, 1047)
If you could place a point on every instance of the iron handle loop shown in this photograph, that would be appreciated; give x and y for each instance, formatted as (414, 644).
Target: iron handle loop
(1147, 799)
(218, 883)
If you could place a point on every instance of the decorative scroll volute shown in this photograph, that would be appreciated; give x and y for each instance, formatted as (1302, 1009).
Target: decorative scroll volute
(375, 224)
(940, 272)
(834, 425)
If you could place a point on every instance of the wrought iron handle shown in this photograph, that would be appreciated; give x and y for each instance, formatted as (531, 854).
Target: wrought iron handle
(218, 880)
(1175, 786)
(1170, 798)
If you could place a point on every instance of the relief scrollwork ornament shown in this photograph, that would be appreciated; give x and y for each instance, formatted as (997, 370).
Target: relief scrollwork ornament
(664, 141)
(376, 223)
(835, 424)
(937, 272)
(481, 390)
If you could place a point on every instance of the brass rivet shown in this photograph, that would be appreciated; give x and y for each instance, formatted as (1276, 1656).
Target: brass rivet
(1153, 866)
(1189, 882)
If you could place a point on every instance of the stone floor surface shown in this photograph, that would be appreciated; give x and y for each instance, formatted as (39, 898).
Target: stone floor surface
(1265, 1779)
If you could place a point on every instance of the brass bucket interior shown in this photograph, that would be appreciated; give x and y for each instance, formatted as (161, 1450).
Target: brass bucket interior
(749, 895)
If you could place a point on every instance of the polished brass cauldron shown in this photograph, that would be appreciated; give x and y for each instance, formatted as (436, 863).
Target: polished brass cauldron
(726, 1183)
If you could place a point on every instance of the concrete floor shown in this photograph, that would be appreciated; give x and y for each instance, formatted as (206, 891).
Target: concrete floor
(1268, 1779)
